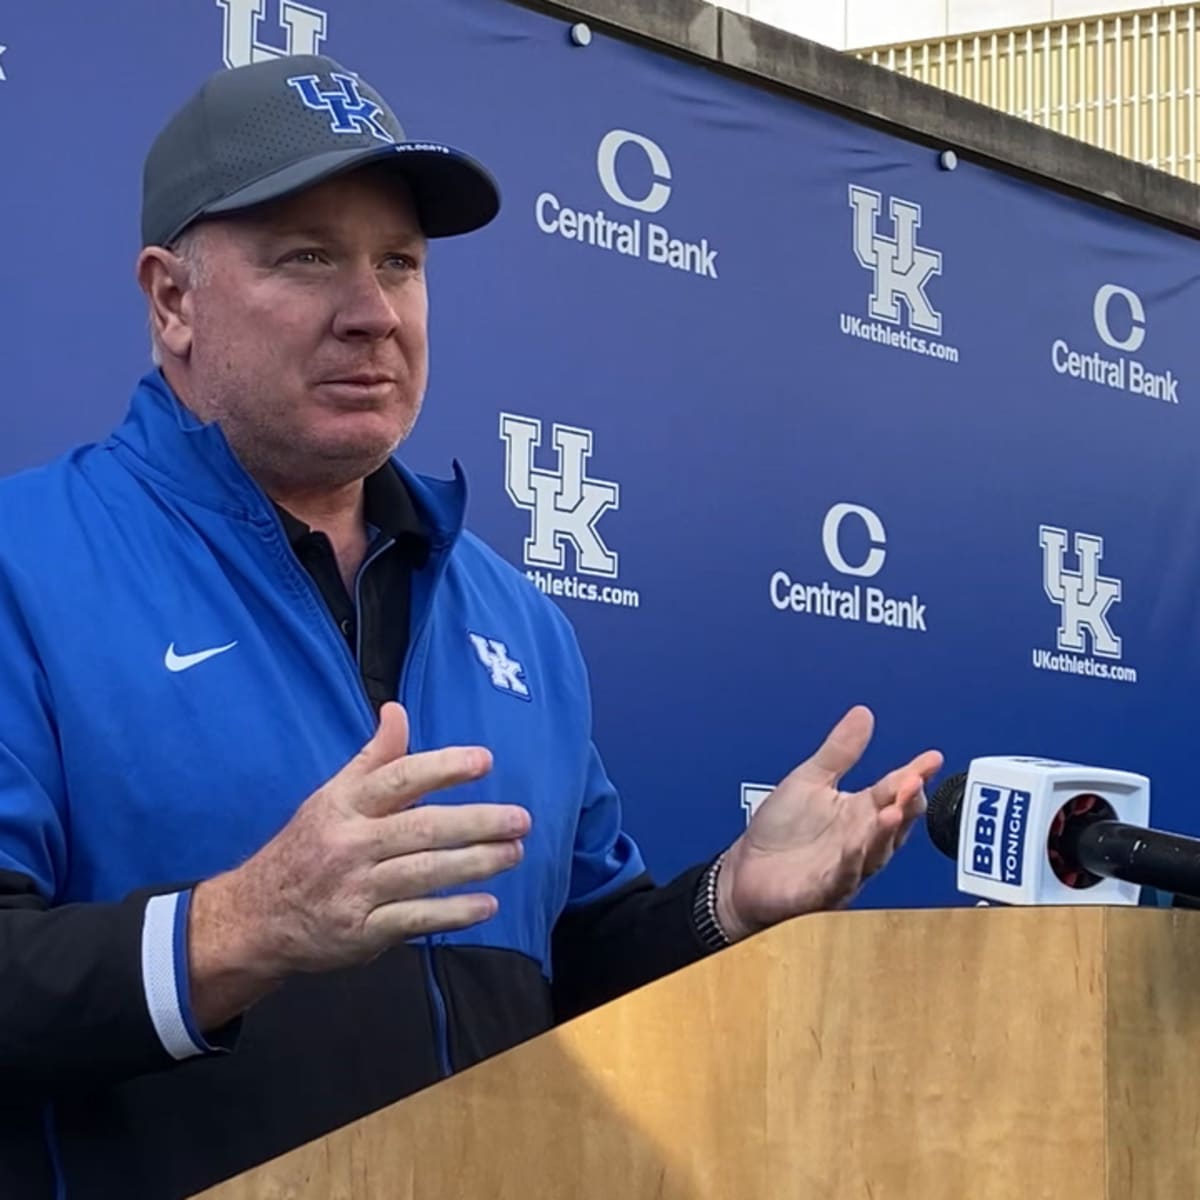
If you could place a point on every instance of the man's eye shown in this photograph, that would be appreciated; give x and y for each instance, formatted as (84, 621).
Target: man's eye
(401, 262)
(304, 257)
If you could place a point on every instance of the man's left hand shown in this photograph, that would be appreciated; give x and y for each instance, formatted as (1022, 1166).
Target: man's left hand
(810, 845)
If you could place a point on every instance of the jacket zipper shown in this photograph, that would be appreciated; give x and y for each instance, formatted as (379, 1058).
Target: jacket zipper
(440, 1021)
(437, 997)
(385, 546)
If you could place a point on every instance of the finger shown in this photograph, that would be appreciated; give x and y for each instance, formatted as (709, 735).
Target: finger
(902, 835)
(896, 786)
(885, 841)
(909, 809)
(444, 827)
(394, 923)
(840, 750)
(389, 742)
(411, 876)
(893, 824)
(402, 782)
(928, 764)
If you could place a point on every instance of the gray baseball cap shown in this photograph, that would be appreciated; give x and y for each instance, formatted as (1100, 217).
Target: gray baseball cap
(265, 131)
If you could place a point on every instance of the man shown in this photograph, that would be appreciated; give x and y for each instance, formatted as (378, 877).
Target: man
(245, 895)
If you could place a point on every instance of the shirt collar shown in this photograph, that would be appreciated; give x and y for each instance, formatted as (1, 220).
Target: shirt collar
(387, 507)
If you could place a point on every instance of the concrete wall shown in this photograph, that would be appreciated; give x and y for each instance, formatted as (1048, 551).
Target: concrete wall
(852, 24)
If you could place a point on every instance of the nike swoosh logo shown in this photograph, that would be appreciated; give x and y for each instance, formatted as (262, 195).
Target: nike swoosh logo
(181, 662)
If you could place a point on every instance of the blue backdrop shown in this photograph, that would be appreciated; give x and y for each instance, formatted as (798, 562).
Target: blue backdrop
(789, 415)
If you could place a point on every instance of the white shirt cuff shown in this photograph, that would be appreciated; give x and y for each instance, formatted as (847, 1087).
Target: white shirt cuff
(165, 975)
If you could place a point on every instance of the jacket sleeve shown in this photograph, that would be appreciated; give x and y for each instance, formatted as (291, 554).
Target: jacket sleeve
(90, 992)
(618, 930)
(87, 991)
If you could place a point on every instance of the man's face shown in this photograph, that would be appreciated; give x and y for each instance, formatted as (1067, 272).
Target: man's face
(309, 331)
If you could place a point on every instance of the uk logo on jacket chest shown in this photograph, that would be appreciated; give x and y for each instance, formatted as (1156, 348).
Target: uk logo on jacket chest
(505, 672)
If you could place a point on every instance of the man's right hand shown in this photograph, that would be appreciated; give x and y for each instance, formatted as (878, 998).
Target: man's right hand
(351, 874)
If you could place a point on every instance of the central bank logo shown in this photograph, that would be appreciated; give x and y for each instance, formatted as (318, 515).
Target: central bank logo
(634, 172)
(1119, 318)
(855, 543)
(1102, 315)
(1085, 641)
(831, 540)
(301, 28)
(611, 145)
(565, 504)
(900, 313)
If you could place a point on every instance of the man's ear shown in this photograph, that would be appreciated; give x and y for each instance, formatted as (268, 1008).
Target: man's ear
(166, 280)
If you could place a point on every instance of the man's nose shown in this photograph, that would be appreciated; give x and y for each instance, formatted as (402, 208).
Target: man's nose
(365, 310)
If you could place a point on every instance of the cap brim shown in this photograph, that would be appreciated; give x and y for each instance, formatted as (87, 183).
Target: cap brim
(453, 193)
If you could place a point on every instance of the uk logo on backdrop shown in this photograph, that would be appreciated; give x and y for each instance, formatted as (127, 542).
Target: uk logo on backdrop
(752, 796)
(565, 550)
(3, 77)
(1086, 643)
(855, 543)
(899, 312)
(249, 38)
(1121, 324)
(634, 174)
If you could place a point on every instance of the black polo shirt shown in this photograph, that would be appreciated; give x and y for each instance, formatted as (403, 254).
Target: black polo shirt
(375, 621)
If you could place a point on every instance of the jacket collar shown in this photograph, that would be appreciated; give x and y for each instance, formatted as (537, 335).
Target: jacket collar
(167, 444)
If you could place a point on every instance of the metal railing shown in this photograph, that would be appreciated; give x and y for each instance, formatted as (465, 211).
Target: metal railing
(1125, 82)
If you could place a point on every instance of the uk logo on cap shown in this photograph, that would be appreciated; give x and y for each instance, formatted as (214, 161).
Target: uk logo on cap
(348, 110)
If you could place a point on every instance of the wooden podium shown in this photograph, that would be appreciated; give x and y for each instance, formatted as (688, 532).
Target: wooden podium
(967, 1054)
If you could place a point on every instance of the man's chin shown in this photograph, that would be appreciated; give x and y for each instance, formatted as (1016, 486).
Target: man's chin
(359, 436)
(324, 454)
(343, 462)
(345, 434)
(317, 465)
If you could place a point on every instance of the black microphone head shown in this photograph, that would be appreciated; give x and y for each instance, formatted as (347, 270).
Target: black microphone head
(944, 814)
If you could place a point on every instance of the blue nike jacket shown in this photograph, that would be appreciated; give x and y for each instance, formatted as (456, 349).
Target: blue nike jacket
(172, 687)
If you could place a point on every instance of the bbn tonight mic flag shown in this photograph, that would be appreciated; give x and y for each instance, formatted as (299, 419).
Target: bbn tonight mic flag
(1001, 830)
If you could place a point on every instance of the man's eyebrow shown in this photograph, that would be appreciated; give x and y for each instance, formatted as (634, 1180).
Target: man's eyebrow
(318, 231)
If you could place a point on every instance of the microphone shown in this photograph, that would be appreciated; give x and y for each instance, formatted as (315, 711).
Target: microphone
(1037, 831)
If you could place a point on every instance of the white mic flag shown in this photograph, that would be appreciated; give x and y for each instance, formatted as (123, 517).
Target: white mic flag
(1008, 813)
